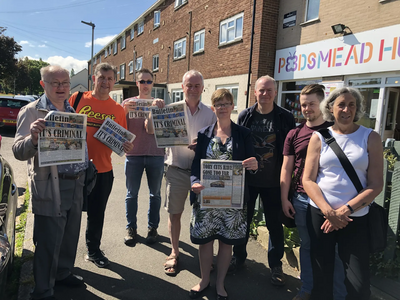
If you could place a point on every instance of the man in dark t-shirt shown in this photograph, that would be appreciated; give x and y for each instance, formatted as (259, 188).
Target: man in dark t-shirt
(294, 155)
(269, 125)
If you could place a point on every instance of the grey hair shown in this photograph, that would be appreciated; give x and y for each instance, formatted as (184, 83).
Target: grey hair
(268, 78)
(192, 73)
(327, 103)
(105, 67)
(45, 71)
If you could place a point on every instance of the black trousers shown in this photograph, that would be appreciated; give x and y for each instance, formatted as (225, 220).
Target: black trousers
(353, 250)
(96, 207)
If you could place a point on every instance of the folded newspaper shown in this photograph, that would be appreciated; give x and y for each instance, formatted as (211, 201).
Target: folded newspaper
(137, 108)
(114, 136)
(63, 141)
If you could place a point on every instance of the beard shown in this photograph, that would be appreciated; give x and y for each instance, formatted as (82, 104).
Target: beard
(312, 117)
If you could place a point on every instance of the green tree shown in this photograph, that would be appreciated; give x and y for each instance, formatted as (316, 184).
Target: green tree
(72, 72)
(8, 49)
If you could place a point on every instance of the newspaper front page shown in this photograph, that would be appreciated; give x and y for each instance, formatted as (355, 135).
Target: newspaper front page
(63, 141)
(138, 108)
(224, 183)
(170, 125)
(114, 136)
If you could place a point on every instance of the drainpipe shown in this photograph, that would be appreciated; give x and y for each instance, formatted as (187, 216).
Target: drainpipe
(190, 40)
(169, 48)
(251, 54)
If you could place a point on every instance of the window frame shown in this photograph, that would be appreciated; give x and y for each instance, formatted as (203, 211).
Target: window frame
(139, 59)
(230, 87)
(157, 13)
(157, 57)
(95, 60)
(130, 66)
(105, 52)
(132, 33)
(226, 23)
(179, 3)
(199, 33)
(177, 91)
(306, 11)
(140, 26)
(183, 49)
(122, 71)
(123, 42)
(115, 47)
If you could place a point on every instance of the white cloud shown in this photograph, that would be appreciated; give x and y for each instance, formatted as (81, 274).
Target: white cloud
(24, 42)
(42, 46)
(101, 41)
(68, 63)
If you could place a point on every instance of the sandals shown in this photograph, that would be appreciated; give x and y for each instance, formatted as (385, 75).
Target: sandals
(171, 265)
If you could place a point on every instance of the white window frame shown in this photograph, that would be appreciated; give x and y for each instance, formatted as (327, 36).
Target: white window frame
(154, 92)
(95, 60)
(177, 95)
(115, 50)
(100, 59)
(306, 10)
(132, 33)
(180, 44)
(156, 62)
(105, 52)
(123, 42)
(139, 63)
(122, 71)
(109, 49)
(197, 39)
(130, 65)
(157, 18)
(180, 3)
(230, 87)
(223, 33)
(140, 28)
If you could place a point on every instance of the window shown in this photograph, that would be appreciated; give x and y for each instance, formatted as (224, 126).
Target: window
(234, 89)
(122, 71)
(158, 92)
(180, 48)
(109, 49)
(140, 28)
(139, 63)
(177, 95)
(123, 41)
(100, 59)
(132, 33)
(179, 2)
(95, 60)
(155, 62)
(115, 47)
(312, 9)
(198, 44)
(157, 18)
(130, 65)
(231, 29)
(105, 52)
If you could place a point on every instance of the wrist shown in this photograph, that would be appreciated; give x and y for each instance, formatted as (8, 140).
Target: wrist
(350, 208)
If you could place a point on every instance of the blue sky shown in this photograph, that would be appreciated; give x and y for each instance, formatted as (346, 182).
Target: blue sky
(52, 30)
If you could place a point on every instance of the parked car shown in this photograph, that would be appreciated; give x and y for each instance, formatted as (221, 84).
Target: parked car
(9, 109)
(8, 209)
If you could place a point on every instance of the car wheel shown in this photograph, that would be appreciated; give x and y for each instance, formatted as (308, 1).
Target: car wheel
(11, 263)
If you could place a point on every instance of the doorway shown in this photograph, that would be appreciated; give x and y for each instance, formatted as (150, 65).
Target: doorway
(391, 125)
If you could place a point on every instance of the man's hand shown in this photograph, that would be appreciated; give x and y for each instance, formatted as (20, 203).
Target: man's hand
(36, 128)
(128, 146)
(158, 102)
(250, 163)
(193, 145)
(197, 188)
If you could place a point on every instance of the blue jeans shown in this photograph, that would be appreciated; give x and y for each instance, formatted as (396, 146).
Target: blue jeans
(134, 167)
(300, 204)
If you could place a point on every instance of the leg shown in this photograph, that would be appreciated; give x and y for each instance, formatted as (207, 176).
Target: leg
(224, 257)
(154, 172)
(339, 288)
(174, 228)
(205, 258)
(134, 166)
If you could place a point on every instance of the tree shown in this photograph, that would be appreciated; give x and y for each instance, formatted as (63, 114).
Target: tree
(72, 72)
(8, 49)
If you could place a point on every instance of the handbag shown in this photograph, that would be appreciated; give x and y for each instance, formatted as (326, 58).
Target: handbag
(377, 216)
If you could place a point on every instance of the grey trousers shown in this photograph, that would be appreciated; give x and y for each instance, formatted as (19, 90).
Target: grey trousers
(56, 239)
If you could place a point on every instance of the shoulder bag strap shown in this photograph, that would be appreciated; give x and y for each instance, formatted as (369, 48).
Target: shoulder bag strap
(346, 164)
(77, 99)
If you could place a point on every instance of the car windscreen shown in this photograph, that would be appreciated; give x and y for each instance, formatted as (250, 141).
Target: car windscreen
(13, 103)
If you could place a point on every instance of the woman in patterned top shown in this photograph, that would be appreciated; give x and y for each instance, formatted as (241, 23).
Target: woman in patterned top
(223, 140)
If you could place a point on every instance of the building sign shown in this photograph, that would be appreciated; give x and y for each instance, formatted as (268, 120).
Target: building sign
(289, 19)
(369, 51)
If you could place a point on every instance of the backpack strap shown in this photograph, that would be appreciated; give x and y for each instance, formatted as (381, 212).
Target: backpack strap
(77, 99)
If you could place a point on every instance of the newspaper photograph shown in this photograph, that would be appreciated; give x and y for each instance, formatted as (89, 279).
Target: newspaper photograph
(224, 183)
(114, 136)
(63, 141)
(138, 108)
(170, 125)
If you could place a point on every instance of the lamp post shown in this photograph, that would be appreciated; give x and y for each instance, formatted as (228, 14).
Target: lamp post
(91, 61)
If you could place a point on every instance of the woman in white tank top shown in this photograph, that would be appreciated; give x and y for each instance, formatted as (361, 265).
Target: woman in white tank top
(337, 212)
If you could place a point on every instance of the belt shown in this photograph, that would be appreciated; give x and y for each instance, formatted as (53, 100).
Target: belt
(70, 176)
(185, 170)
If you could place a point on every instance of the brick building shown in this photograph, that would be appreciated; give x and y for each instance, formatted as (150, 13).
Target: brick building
(211, 36)
(364, 53)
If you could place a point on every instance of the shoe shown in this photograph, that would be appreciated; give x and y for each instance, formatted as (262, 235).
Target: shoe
(130, 237)
(219, 297)
(171, 265)
(98, 259)
(302, 296)
(72, 280)
(235, 265)
(151, 236)
(277, 276)
(197, 294)
(45, 298)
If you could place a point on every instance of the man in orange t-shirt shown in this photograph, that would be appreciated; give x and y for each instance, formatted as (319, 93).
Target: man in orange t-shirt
(98, 106)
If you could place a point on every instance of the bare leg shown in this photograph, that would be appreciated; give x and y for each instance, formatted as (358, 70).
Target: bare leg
(174, 227)
(205, 258)
(224, 258)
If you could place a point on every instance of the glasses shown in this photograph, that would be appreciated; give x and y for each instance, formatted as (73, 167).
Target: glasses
(58, 84)
(222, 105)
(146, 81)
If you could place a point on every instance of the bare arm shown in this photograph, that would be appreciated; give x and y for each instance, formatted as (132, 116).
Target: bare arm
(286, 179)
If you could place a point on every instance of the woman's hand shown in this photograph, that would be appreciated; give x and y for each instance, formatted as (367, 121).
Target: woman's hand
(250, 163)
(288, 209)
(337, 218)
(197, 188)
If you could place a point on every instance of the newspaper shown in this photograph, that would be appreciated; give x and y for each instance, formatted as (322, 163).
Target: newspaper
(170, 125)
(63, 141)
(114, 136)
(224, 184)
(138, 108)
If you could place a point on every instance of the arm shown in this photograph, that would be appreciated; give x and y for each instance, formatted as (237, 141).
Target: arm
(286, 179)
(195, 173)
(148, 123)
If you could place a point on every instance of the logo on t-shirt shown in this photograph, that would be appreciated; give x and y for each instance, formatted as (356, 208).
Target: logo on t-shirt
(97, 116)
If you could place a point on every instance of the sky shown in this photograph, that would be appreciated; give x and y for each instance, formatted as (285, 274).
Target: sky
(52, 30)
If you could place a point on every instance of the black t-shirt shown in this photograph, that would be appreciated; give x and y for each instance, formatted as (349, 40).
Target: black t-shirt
(264, 141)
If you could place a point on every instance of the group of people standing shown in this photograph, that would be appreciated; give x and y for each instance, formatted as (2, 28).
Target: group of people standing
(271, 150)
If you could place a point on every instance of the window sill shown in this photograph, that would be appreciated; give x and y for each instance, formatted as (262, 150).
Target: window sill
(155, 71)
(130, 73)
(310, 22)
(179, 58)
(115, 53)
(178, 7)
(198, 52)
(123, 48)
(230, 43)
(156, 26)
(139, 33)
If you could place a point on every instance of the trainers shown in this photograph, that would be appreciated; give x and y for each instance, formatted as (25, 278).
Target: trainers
(98, 259)
(72, 280)
(130, 237)
(302, 296)
(235, 265)
(151, 236)
(277, 276)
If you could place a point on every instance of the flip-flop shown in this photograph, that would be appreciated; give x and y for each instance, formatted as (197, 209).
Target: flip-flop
(171, 265)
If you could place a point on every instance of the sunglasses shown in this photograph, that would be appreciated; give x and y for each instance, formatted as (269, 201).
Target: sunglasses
(146, 81)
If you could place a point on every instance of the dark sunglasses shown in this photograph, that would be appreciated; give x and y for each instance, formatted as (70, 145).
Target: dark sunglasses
(145, 81)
